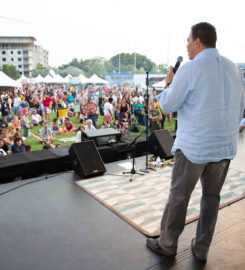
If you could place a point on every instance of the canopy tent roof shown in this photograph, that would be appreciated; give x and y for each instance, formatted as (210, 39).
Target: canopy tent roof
(59, 79)
(48, 79)
(6, 81)
(68, 76)
(23, 79)
(84, 79)
(38, 79)
(96, 79)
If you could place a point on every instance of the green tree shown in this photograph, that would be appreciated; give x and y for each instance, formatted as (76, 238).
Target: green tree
(11, 71)
(127, 62)
(162, 68)
(40, 70)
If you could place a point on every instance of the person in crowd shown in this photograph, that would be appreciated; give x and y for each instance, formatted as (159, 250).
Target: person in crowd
(67, 126)
(47, 147)
(5, 109)
(90, 110)
(23, 107)
(108, 112)
(55, 126)
(36, 119)
(100, 104)
(28, 148)
(18, 146)
(153, 95)
(46, 106)
(137, 109)
(3, 127)
(158, 107)
(125, 130)
(25, 121)
(10, 133)
(46, 135)
(89, 126)
(116, 125)
(70, 100)
(155, 117)
(4, 146)
(17, 102)
(53, 100)
(79, 134)
(16, 122)
(124, 112)
(58, 145)
(196, 91)
(2, 152)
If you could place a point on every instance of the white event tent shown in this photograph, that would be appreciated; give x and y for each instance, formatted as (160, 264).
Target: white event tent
(97, 80)
(6, 81)
(59, 79)
(84, 79)
(23, 79)
(48, 79)
(38, 79)
(67, 78)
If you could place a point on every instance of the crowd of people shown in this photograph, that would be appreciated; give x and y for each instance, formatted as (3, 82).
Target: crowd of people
(120, 107)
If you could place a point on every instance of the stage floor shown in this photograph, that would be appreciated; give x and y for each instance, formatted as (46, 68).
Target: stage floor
(54, 224)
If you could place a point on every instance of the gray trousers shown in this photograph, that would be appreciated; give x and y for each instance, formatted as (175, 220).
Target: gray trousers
(184, 178)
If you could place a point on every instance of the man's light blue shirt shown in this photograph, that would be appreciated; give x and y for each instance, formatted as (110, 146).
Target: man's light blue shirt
(208, 93)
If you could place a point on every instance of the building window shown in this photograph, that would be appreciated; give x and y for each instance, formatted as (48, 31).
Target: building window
(12, 52)
(19, 66)
(19, 59)
(4, 59)
(12, 59)
(19, 52)
(3, 52)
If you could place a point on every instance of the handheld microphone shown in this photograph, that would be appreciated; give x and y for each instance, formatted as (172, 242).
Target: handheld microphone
(178, 62)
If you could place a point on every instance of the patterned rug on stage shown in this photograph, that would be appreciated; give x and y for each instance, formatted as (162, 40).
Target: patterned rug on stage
(141, 202)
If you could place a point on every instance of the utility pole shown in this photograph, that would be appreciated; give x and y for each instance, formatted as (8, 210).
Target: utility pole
(119, 63)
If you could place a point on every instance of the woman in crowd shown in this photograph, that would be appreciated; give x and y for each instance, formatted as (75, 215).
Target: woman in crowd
(68, 126)
(89, 126)
(23, 107)
(55, 126)
(16, 123)
(124, 112)
(10, 133)
(79, 134)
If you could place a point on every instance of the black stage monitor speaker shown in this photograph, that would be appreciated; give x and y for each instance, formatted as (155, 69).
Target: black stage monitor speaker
(86, 159)
(160, 143)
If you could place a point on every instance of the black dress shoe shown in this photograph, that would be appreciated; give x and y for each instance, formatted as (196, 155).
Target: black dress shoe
(202, 261)
(153, 245)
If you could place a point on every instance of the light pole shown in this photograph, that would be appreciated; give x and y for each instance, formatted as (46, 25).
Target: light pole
(119, 63)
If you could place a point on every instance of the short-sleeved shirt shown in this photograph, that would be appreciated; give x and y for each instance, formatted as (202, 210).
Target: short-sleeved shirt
(107, 108)
(46, 102)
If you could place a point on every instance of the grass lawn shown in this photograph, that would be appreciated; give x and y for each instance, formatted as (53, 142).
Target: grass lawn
(38, 146)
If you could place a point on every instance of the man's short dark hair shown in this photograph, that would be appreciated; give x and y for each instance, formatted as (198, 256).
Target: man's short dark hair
(206, 32)
(110, 99)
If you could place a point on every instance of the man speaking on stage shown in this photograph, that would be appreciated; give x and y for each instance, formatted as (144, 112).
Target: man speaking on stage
(208, 93)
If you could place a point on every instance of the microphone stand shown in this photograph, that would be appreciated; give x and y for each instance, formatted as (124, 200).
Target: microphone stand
(146, 170)
(133, 147)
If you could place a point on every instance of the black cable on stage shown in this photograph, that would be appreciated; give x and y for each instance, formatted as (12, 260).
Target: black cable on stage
(34, 181)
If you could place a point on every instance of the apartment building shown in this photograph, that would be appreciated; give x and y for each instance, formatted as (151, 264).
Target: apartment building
(23, 53)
